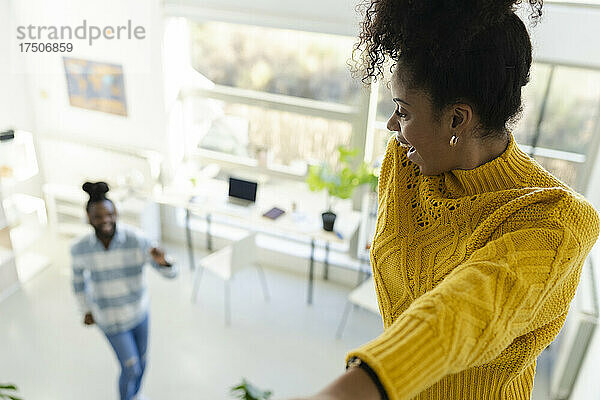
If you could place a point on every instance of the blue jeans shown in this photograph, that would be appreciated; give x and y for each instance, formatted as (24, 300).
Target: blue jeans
(130, 348)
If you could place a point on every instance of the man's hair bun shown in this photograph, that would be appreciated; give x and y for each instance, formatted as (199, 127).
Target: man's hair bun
(97, 191)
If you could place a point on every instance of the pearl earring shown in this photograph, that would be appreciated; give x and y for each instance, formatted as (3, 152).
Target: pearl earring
(453, 141)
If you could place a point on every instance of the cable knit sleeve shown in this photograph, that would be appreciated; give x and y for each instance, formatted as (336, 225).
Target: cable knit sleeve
(511, 286)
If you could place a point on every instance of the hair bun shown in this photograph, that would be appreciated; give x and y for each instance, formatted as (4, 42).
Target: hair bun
(442, 27)
(456, 21)
(97, 191)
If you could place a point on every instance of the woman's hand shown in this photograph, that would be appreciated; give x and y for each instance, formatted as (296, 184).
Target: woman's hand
(355, 384)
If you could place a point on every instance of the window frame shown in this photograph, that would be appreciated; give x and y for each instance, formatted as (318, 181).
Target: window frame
(359, 116)
(364, 125)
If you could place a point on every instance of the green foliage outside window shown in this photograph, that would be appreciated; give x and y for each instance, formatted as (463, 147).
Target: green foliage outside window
(292, 63)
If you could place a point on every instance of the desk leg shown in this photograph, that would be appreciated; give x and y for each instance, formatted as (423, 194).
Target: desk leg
(188, 234)
(311, 270)
(208, 234)
(361, 273)
(326, 263)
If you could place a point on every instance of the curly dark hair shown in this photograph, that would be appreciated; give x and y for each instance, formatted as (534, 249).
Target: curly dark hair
(473, 51)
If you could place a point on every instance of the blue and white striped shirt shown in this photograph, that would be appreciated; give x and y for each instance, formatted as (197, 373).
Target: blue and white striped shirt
(110, 283)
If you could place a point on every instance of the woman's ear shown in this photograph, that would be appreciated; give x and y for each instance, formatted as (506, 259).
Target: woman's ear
(462, 118)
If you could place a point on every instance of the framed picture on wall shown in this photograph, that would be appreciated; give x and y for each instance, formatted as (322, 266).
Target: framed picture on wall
(96, 86)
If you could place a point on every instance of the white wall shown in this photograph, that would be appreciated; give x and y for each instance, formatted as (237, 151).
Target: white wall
(142, 65)
(14, 110)
(331, 16)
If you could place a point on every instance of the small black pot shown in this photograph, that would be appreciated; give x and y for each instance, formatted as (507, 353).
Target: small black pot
(328, 220)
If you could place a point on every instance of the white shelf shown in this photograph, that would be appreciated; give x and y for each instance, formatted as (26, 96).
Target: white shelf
(6, 255)
(23, 236)
(20, 207)
(29, 264)
(26, 204)
(71, 210)
(68, 193)
(73, 229)
(22, 216)
(3, 220)
(18, 157)
(8, 275)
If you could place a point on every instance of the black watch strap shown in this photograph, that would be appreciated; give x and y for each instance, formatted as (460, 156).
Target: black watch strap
(357, 362)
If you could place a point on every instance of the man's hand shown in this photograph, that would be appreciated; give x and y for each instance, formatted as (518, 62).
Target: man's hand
(88, 319)
(159, 257)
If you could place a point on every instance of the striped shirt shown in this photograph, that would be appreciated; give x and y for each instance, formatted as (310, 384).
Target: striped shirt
(110, 283)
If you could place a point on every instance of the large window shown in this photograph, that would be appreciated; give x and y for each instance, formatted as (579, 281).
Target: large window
(274, 138)
(571, 108)
(561, 114)
(291, 63)
(281, 99)
(284, 98)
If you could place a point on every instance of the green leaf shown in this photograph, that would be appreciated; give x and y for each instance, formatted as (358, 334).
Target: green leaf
(341, 181)
(8, 386)
(346, 155)
(247, 391)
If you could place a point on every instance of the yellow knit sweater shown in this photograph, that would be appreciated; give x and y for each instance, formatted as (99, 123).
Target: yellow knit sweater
(474, 271)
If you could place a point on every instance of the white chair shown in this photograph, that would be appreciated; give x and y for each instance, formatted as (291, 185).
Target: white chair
(227, 262)
(363, 296)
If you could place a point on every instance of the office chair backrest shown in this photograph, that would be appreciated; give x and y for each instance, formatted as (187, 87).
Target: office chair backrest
(243, 252)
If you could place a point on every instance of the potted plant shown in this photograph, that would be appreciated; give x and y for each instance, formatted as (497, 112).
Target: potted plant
(339, 181)
(247, 391)
(8, 391)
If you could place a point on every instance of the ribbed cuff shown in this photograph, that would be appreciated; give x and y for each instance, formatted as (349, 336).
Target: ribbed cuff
(407, 358)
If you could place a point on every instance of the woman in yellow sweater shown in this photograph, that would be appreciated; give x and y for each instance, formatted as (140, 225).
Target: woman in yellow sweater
(478, 250)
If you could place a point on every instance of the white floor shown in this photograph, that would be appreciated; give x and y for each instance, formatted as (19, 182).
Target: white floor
(283, 345)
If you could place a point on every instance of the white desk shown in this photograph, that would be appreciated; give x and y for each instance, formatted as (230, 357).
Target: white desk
(212, 204)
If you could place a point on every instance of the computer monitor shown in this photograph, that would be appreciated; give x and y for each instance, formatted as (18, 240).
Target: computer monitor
(240, 189)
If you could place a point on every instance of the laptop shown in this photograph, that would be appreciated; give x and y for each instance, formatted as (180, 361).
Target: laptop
(242, 192)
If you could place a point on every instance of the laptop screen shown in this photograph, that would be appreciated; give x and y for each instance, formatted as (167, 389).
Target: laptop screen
(241, 189)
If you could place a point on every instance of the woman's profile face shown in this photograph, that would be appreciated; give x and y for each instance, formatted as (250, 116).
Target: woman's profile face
(416, 127)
